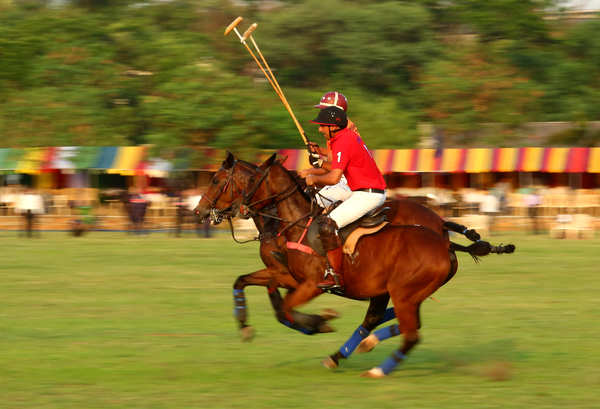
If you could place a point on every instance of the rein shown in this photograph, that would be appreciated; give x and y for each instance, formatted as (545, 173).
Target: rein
(257, 238)
(247, 207)
(280, 198)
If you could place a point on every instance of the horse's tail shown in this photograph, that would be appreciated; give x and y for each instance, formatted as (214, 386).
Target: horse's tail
(482, 248)
(470, 234)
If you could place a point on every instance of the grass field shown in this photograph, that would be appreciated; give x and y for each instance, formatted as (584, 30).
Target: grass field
(116, 321)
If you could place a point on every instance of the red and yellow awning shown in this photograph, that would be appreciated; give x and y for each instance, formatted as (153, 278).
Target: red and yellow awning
(474, 160)
(132, 160)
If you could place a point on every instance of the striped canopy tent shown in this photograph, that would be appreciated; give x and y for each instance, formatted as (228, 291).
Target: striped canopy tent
(124, 160)
(9, 157)
(71, 158)
(475, 160)
(154, 167)
(32, 160)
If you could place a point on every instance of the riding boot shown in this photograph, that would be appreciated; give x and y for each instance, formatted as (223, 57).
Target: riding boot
(333, 246)
(332, 279)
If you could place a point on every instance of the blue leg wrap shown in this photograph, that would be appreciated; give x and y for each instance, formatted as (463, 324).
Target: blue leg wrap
(389, 314)
(350, 345)
(390, 363)
(296, 327)
(239, 300)
(387, 332)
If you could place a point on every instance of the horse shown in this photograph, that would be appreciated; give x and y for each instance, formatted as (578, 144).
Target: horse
(413, 261)
(276, 275)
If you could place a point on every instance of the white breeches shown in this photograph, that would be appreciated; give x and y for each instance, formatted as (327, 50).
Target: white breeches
(333, 193)
(358, 204)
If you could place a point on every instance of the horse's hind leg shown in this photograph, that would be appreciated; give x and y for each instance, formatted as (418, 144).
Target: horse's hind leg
(382, 334)
(408, 319)
(375, 315)
(376, 337)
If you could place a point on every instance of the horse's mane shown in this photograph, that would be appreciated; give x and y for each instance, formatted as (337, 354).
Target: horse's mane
(301, 183)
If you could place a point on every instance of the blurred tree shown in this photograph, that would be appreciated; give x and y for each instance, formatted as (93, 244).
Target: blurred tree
(506, 19)
(364, 44)
(472, 88)
(121, 72)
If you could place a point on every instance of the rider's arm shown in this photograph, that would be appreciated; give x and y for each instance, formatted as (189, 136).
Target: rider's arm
(326, 165)
(330, 178)
(311, 171)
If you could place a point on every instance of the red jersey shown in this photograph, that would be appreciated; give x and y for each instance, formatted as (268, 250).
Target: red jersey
(350, 154)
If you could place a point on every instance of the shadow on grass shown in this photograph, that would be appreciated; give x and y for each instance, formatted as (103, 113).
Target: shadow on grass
(493, 360)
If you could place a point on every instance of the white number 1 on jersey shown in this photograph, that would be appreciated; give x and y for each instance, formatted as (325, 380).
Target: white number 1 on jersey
(339, 155)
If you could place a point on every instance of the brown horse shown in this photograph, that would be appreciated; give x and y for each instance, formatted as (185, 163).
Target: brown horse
(273, 253)
(413, 261)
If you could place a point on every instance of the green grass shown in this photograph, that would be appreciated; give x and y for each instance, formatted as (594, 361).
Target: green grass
(114, 321)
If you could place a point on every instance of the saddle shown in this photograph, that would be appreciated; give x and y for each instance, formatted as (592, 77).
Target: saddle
(370, 223)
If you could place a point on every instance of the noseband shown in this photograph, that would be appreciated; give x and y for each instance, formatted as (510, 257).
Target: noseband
(217, 215)
(247, 207)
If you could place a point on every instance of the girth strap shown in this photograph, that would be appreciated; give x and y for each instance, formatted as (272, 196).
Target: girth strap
(298, 245)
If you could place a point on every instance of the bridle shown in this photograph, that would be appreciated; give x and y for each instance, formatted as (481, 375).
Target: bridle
(247, 207)
(216, 215)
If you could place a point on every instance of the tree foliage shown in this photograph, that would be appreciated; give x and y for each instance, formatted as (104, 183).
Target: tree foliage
(118, 72)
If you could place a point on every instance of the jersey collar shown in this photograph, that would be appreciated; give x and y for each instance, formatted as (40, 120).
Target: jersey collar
(337, 134)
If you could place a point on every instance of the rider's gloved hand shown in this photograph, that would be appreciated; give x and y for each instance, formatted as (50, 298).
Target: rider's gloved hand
(312, 147)
(314, 158)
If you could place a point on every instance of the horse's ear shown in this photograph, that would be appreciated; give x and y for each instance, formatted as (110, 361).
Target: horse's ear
(229, 160)
(282, 160)
(269, 161)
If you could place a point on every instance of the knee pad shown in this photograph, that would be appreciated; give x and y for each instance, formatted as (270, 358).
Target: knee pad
(328, 233)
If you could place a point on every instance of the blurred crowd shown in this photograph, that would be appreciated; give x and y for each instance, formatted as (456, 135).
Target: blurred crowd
(82, 209)
(559, 211)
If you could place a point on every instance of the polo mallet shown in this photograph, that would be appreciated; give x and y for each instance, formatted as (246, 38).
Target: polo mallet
(270, 77)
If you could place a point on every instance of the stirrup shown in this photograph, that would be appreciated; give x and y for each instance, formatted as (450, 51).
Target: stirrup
(330, 285)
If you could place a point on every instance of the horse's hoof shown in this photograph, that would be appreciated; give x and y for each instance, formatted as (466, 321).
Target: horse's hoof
(329, 363)
(367, 344)
(375, 373)
(329, 314)
(247, 333)
(325, 328)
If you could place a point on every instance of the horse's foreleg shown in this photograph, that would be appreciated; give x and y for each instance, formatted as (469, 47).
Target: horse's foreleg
(277, 304)
(376, 314)
(306, 323)
(259, 278)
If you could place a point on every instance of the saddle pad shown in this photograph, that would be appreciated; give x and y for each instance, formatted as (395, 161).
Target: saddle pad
(350, 243)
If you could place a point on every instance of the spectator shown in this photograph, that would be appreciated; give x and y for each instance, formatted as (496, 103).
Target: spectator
(490, 206)
(29, 204)
(137, 206)
(532, 201)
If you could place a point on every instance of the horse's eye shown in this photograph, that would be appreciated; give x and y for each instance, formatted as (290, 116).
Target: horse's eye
(215, 181)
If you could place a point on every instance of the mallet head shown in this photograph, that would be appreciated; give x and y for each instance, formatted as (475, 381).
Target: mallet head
(248, 32)
(233, 25)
